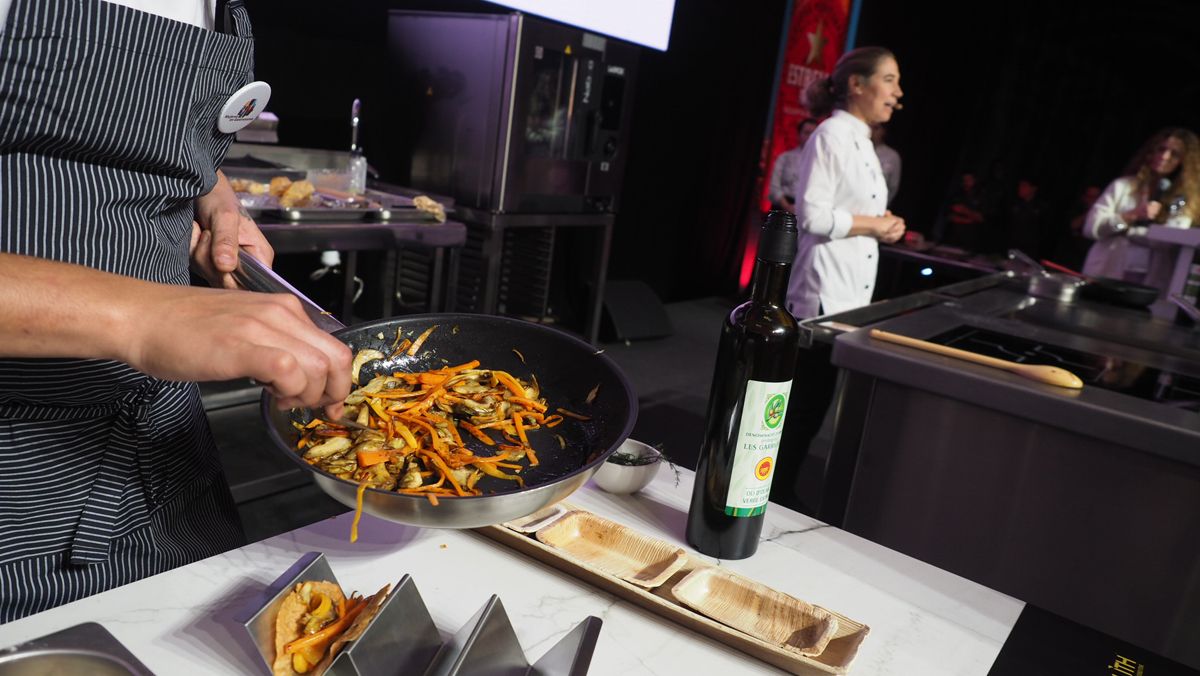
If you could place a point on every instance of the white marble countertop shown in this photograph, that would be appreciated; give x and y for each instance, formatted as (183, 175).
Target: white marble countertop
(923, 620)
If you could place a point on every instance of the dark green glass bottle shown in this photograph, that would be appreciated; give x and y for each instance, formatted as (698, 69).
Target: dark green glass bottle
(747, 405)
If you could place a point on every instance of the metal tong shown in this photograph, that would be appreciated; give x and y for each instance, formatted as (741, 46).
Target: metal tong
(252, 275)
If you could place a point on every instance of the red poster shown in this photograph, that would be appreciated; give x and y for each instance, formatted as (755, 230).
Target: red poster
(816, 36)
(815, 39)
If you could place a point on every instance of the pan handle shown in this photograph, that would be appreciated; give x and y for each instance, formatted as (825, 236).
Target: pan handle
(1022, 257)
(252, 275)
(1063, 269)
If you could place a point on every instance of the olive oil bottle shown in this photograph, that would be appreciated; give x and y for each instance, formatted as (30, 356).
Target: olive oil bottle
(747, 405)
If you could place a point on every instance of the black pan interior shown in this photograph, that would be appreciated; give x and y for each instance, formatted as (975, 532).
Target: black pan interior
(1120, 292)
(566, 368)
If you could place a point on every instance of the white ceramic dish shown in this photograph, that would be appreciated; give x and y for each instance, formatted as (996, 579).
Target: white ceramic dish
(624, 479)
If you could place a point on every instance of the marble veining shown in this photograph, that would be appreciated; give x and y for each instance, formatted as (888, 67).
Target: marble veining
(923, 620)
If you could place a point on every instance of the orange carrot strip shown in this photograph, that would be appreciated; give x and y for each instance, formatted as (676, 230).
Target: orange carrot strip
(396, 349)
(520, 429)
(377, 408)
(493, 459)
(478, 433)
(330, 630)
(474, 363)
(445, 470)
(433, 378)
(552, 420)
(572, 414)
(498, 423)
(428, 399)
(529, 403)
(406, 434)
(436, 440)
(509, 382)
(369, 458)
(397, 395)
(532, 455)
(362, 487)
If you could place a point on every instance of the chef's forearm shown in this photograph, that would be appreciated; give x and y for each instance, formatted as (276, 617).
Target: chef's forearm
(52, 309)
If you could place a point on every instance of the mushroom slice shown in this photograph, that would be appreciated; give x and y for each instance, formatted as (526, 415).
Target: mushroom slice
(327, 448)
(361, 358)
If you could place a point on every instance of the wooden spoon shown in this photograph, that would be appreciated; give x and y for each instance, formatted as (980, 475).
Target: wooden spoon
(1051, 375)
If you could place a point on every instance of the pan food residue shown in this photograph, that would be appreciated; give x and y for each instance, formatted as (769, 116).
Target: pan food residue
(418, 423)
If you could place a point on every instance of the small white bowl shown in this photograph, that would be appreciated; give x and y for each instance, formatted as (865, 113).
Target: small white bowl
(624, 479)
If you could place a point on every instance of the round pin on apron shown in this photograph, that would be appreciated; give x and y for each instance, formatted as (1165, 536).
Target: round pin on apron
(243, 107)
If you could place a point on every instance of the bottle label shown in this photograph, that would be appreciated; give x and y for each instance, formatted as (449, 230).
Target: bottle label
(763, 409)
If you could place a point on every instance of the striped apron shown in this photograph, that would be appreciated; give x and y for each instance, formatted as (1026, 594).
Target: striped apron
(107, 134)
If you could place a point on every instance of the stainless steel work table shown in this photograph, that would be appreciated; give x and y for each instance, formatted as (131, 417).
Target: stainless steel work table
(443, 240)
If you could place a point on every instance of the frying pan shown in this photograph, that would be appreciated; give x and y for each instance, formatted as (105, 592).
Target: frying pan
(566, 368)
(1110, 290)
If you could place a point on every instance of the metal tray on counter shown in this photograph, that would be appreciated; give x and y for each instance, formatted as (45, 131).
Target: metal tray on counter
(328, 214)
(330, 207)
(86, 648)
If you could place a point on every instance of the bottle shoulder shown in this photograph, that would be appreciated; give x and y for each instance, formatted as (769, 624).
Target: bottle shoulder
(766, 319)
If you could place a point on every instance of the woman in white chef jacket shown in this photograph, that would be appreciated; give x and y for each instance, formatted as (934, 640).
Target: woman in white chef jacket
(841, 207)
(1160, 186)
(841, 192)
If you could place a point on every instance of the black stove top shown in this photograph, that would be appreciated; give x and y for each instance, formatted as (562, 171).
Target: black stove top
(1109, 373)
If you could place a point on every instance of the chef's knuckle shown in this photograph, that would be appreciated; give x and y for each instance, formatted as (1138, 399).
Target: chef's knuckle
(342, 354)
(282, 362)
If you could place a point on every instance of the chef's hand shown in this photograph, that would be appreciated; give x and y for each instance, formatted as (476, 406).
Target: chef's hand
(1146, 211)
(887, 228)
(891, 228)
(221, 227)
(216, 334)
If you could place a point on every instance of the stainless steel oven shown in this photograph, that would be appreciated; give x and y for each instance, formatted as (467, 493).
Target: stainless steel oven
(510, 113)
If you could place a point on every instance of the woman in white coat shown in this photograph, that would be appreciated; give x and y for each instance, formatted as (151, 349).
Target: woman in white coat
(841, 207)
(1161, 186)
(841, 193)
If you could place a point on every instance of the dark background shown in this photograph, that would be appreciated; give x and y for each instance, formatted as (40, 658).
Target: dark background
(1060, 92)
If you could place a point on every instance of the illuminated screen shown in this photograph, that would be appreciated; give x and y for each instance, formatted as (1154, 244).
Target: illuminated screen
(645, 22)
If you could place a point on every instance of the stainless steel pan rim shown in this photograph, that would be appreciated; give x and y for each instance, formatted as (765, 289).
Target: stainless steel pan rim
(1055, 286)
